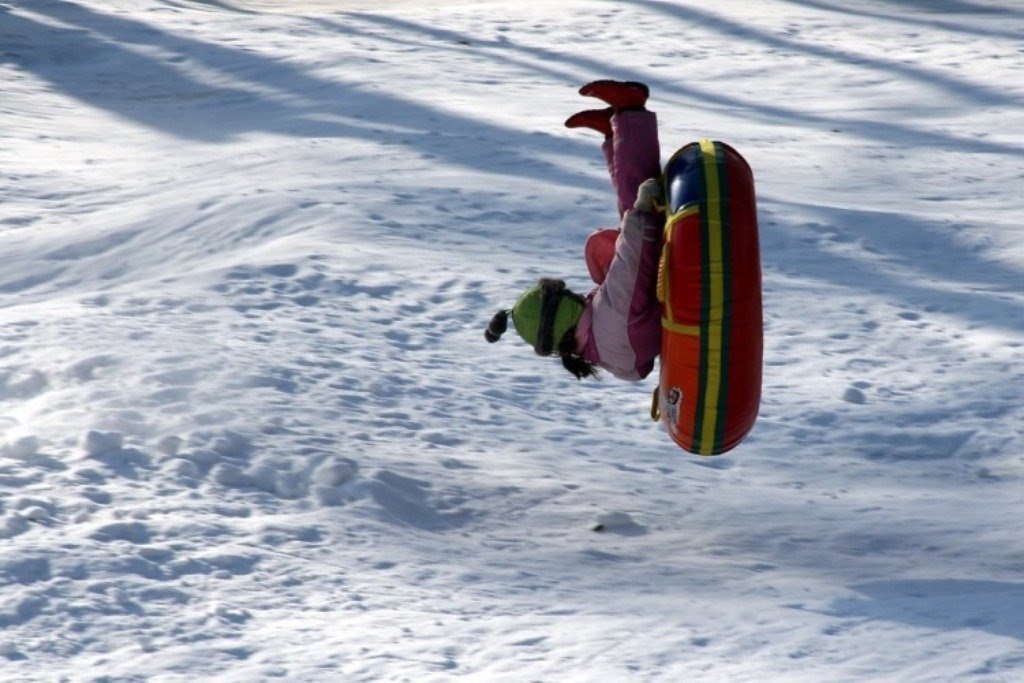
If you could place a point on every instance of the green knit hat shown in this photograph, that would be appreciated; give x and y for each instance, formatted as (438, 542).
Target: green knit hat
(542, 315)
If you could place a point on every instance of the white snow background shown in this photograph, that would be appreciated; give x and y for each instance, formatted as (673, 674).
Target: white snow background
(251, 429)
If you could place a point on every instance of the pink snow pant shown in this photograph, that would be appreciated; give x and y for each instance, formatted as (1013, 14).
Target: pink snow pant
(633, 155)
(625, 316)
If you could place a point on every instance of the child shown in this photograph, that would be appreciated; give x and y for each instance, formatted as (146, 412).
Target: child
(617, 326)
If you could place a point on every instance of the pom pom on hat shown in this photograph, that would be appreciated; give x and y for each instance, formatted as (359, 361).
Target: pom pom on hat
(497, 326)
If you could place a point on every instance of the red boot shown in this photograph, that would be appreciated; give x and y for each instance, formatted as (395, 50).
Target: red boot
(621, 95)
(597, 119)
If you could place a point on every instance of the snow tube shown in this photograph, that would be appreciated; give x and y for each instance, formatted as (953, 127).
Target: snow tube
(709, 284)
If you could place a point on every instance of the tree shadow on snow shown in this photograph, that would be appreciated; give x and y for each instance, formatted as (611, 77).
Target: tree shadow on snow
(976, 93)
(889, 131)
(213, 92)
(558, 66)
(213, 3)
(911, 259)
(900, 15)
(969, 94)
(996, 607)
(926, 276)
(955, 7)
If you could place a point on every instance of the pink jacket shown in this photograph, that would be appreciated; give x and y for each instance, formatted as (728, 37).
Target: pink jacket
(620, 330)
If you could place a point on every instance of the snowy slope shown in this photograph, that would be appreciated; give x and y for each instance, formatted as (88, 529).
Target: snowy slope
(250, 430)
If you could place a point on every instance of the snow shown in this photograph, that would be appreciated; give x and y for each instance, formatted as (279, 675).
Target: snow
(250, 429)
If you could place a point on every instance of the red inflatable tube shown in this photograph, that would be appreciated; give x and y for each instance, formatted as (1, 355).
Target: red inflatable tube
(709, 283)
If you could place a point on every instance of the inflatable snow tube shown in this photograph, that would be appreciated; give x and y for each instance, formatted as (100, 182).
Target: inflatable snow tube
(709, 284)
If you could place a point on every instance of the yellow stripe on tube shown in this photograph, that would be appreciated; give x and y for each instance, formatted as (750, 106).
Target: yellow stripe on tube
(717, 299)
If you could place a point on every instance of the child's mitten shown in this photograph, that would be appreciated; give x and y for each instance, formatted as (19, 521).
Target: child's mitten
(649, 197)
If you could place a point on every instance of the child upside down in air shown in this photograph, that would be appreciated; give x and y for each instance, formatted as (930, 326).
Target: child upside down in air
(617, 326)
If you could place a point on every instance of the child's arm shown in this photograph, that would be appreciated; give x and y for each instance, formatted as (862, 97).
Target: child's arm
(626, 316)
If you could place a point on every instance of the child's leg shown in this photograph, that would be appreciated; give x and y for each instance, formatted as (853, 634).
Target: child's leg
(608, 149)
(599, 120)
(632, 153)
